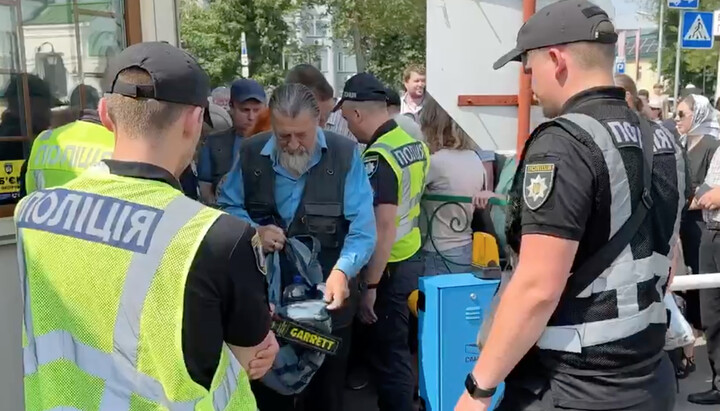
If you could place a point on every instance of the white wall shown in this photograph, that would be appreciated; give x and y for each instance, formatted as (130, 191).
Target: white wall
(464, 38)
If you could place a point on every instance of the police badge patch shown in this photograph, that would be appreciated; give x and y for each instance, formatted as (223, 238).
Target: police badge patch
(8, 168)
(260, 259)
(371, 165)
(537, 184)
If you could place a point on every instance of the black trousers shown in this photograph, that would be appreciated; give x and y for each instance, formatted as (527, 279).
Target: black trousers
(517, 397)
(325, 391)
(691, 231)
(388, 349)
(710, 301)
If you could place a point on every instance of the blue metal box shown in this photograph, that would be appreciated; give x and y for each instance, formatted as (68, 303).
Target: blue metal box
(451, 308)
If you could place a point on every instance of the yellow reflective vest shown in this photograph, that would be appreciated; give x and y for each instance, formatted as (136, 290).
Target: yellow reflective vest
(104, 261)
(59, 155)
(410, 160)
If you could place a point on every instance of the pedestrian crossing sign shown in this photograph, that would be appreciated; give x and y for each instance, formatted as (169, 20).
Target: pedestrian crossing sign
(697, 30)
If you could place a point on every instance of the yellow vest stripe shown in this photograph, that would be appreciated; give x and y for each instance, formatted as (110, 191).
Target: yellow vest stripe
(119, 368)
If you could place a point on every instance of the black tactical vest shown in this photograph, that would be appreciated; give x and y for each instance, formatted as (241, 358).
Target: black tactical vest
(221, 154)
(320, 212)
(612, 141)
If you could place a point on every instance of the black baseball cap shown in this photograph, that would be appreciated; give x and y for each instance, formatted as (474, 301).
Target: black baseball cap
(245, 89)
(567, 21)
(362, 87)
(393, 97)
(176, 75)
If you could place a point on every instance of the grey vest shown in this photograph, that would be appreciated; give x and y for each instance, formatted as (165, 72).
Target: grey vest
(320, 212)
(221, 154)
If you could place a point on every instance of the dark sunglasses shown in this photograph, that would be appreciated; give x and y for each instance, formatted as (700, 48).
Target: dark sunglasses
(681, 115)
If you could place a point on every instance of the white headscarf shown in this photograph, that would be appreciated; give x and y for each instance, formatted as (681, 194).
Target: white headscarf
(705, 121)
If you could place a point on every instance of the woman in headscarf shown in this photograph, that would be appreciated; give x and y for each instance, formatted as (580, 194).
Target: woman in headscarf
(697, 124)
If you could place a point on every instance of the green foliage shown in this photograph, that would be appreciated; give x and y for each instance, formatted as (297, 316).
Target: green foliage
(213, 34)
(385, 35)
(694, 64)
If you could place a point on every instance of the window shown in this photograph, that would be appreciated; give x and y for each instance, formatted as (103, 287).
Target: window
(47, 50)
(346, 62)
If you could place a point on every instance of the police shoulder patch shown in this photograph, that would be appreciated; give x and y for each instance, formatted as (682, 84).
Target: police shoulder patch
(538, 184)
(371, 165)
(260, 260)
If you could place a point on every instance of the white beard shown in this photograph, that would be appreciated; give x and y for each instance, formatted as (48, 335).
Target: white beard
(296, 164)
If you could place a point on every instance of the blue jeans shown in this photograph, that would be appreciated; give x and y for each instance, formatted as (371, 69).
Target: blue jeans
(456, 260)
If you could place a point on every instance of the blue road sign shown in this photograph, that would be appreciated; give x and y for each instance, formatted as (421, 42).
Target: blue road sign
(683, 4)
(697, 30)
(620, 67)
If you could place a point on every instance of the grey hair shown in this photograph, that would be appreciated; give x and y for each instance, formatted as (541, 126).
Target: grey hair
(292, 99)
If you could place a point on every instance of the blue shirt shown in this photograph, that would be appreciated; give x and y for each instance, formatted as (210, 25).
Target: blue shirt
(357, 204)
(204, 164)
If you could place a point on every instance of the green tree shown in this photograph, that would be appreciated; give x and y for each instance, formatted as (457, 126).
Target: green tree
(694, 64)
(385, 35)
(213, 35)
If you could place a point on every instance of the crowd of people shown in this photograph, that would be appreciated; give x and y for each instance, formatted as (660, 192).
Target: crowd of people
(695, 124)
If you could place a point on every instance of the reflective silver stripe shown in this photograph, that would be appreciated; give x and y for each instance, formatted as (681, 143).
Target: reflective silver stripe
(138, 278)
(407, 202)
(119, 368)
(620, 206)
(39, 179)
(221, 396)
(572, 338)
(119, 376)
(620, 211)
(64, 409)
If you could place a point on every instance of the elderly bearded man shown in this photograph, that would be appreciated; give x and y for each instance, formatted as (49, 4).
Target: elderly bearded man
(299, 180)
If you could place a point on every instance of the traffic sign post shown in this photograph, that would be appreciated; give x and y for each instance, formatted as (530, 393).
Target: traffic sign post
(620, 67)
(244, 57)
(697, 30)
(684, 4)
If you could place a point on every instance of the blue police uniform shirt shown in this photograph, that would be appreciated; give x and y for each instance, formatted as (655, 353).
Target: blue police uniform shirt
(204, 164)
(357, 203)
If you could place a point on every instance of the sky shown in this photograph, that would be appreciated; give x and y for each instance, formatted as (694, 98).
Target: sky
(626, 15)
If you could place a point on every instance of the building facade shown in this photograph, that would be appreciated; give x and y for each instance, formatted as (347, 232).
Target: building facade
(640, 56)
(313, 43)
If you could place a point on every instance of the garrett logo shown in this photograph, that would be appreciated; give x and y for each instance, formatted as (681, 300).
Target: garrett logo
(8, 168)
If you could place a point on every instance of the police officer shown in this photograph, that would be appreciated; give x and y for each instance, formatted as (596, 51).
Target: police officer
(136, 296)
(59, 155)
(247, 98)
(396, 165)
(594, 216)
(299, 180)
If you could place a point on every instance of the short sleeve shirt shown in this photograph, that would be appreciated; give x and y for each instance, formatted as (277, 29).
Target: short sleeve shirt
(382, 177)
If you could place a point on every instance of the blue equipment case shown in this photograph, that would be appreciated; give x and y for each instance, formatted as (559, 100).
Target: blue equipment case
(451, 308)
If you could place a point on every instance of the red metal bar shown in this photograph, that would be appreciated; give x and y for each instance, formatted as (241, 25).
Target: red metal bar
(470, 100)
(525, 94)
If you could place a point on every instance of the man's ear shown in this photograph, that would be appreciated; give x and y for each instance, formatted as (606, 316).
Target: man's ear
(193, 119)
(104, 116)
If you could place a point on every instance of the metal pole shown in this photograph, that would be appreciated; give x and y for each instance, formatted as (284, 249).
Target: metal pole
(660, 41)
(678, 52)
(525, 93)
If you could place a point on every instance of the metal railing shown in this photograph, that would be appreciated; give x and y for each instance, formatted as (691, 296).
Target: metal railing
(456, 224)
(695, 282)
